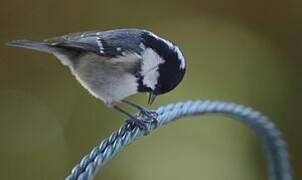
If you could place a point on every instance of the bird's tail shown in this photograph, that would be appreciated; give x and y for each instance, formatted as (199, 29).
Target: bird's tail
(38, 46)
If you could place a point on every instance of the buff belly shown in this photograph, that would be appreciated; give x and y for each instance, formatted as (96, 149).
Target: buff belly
(106, 79)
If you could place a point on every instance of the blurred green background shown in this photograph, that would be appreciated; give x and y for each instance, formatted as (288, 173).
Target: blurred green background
(247, 52)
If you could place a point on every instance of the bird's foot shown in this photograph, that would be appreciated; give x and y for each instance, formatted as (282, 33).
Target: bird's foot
(143, 120)
(138, 123)
(148, 116)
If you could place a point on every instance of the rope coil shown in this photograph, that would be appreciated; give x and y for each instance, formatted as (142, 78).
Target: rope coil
(273, 144)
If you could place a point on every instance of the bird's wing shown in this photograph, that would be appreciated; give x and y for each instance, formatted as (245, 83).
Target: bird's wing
(111, 44)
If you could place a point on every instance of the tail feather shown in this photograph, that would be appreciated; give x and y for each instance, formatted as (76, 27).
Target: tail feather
(44, 47)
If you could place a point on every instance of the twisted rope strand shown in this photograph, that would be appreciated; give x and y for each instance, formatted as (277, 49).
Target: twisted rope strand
(274, 146)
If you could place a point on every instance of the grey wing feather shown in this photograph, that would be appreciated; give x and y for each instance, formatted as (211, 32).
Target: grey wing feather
(106, 43)
(76, 41)
(78, 46)
(113, 43)
(44, 47)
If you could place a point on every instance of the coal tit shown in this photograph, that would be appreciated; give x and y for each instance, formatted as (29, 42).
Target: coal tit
(115, 64)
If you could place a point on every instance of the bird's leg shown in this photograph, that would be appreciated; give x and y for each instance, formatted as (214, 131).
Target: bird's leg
(142, 125)
(152, 115)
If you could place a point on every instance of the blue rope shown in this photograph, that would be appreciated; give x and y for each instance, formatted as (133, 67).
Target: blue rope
(274, 146)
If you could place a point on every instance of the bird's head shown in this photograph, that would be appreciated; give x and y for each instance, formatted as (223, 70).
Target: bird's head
(163, 66)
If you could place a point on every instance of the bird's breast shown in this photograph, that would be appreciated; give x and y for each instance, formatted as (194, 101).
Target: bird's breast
(106, 79)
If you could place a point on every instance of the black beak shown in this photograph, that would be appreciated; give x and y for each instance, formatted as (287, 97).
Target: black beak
(152, 97)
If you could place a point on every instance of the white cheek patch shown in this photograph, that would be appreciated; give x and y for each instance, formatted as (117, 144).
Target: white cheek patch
(150, 63)
(181, 58)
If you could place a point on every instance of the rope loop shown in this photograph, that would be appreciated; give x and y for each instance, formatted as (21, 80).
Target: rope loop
(274, 146)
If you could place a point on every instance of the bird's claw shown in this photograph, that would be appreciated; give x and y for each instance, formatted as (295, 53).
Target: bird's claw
(144, 120)
(148, 116)
(138, 123)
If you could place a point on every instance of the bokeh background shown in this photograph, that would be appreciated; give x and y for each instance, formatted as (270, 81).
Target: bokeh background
(246, 52)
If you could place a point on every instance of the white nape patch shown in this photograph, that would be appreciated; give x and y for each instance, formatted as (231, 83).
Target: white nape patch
(150, 63)
(181, 57)
(171, 46)
(174, 48)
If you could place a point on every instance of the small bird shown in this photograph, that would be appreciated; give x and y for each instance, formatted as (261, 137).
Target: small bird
(115, 64)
